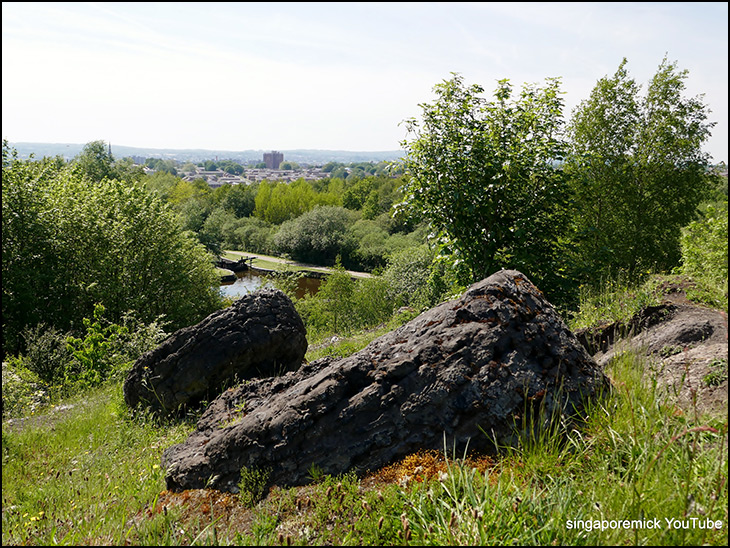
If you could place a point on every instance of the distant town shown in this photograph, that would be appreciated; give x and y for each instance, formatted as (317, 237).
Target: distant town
(213, 166)
(270, 171)
(304, 157)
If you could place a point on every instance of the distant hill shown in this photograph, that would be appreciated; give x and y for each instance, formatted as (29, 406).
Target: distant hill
(302, 156)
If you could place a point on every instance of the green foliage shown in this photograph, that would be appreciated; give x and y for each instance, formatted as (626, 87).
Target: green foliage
(252, 485)
(250, 234)
(30, 263)
(95, 357)
(96, 162)
(211, 233)
(46, 353)
(229, 166)
(317, 236)
(279, 202)
(637, 170)
(718, 373)
(289, 166)
(407, 276)
(161, 166)
(23, 392)
(483, 174)
(704, 252)
(343, 304)
(69, 243)
(238, 199)
(374, 244)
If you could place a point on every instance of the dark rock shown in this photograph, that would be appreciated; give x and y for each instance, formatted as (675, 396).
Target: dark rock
(261, 334)
(460, 375)
(601, 338)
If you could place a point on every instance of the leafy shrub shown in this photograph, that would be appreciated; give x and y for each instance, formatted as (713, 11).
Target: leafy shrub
(250, 234)
(252, 485)
(107, 350)
(416, 278)
(342, 304)
(96, 355)
(317, 236)
(46, 353)
(23, 392)
(704, 252)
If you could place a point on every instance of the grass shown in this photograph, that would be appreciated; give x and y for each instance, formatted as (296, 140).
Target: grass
(638, 470)
(93, 476)
(264, 262)
(615, 300)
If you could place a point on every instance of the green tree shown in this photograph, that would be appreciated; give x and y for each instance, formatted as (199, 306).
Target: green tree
(251, 234)
(70, 243)
(343, 304)
(211, 233)
(356, 194)
(637, 170)
(318, 236)
(229, 166)
(277, 202)
(239, 199)
(484, 175)
(30, 263)
(95, 161)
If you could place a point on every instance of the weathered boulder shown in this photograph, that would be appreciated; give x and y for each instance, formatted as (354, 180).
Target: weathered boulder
(260, 335)
(461, 374)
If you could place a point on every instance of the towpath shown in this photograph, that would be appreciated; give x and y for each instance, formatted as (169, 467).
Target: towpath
(269, 262)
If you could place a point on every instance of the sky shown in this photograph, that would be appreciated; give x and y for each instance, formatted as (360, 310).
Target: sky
(328, 76)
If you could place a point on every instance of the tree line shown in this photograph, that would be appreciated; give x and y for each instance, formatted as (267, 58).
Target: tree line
(508, 183)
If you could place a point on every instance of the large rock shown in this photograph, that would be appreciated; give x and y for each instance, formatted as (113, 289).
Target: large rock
(260, 335)
(460, 375)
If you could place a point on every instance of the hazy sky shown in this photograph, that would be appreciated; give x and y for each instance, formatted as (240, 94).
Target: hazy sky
(342, 76)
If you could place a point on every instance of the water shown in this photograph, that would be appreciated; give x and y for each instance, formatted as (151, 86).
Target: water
(247, 282)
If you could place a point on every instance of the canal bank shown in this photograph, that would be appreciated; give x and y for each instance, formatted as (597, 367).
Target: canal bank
(244, 272)
(266, 264)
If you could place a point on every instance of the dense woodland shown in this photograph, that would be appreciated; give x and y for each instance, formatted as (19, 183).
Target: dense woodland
(621, 189)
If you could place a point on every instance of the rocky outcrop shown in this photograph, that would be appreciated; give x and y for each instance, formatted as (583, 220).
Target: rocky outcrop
(260, 335)
(683, 348)
(463, 374)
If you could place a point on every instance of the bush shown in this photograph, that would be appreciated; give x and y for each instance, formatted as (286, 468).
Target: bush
(23, 391)
(416, 278)
(342, 304)
(46, 353)
(704, 249)
(69, 243)
(64, 363)
(107, 350)
(250, 234)
(317, 236)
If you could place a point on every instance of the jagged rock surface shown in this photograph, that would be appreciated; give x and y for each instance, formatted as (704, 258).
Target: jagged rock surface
(261, 334)
(458, 375)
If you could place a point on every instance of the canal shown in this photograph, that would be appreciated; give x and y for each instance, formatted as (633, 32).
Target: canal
(248, 281)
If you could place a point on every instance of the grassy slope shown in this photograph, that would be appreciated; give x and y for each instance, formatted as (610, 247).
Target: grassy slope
(91, 475)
